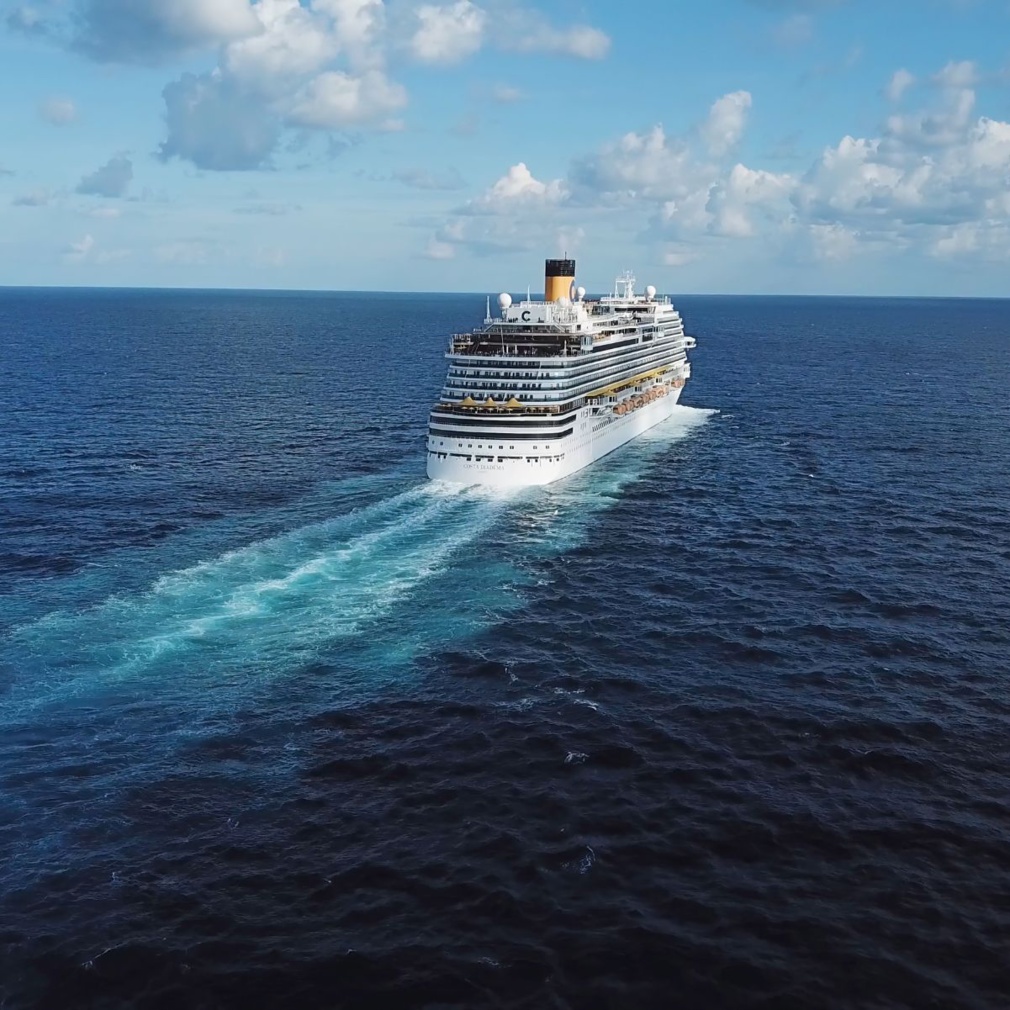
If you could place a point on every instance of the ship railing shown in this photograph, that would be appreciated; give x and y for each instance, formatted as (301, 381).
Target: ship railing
(499, 409)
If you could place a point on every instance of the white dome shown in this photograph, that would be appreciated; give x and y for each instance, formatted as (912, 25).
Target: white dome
(650, 291)
(564, 302)
(504, 300)
(581, 292)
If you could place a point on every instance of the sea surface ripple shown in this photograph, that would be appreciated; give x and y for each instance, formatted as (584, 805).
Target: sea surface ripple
(722, 722)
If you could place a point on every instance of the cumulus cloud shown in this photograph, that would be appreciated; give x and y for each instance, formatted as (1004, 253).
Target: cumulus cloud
(726, 121)
(275, 78)
(282, 65)
(151, 31)
(448, 34)
(112, 179)
(734, 200)
(293, 41)
(336, 99)
(511, 214)
(936, 180)
(215, 125)
(648, 165)
(833, 241)
(58, 111)
(532, 35)
(901, 80)
(963, 74)
(516, 188)
(77, 252)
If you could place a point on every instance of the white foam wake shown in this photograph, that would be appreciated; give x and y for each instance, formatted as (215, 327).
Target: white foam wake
(280, 602)
(272, 601)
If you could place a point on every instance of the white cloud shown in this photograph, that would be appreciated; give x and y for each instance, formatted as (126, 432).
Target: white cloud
(355, 22)
(335, 99)
(77, 252)
(962, 74)
(733, 201)
(112, 179)
(517, 186)
(833, 241)
(935, 180)
(58, 111)
(527, 32)
(448, 34)
(515, 212)
(648, 165)
(305, 65)
(215, 125)
(153, 30)
(726, 121)
(294, 42)
(901, 81)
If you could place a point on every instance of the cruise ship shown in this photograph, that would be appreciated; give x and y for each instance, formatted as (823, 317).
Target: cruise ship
(548, 387)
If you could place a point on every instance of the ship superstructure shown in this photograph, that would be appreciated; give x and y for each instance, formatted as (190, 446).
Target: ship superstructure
(547, 387)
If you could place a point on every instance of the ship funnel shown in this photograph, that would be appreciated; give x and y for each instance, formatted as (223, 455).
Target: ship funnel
(559, 275)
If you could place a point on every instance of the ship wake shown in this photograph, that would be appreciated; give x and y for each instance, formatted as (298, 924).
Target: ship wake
(408, 572)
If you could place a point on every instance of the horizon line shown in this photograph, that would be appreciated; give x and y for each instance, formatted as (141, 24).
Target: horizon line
(482, 294)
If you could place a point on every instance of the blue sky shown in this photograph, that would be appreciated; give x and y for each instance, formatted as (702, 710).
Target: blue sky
(752, 146)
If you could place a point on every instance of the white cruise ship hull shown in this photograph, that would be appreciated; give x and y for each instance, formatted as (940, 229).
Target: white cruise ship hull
(543, 466)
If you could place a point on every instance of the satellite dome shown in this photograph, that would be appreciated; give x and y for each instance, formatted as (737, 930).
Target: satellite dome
(581, 292)
(564, 302)
(504, 300)
(650, 291)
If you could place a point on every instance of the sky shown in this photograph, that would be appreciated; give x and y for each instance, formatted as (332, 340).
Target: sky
(730, 146)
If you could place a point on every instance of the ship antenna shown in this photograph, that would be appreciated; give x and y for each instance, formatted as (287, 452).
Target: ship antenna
(487, 316)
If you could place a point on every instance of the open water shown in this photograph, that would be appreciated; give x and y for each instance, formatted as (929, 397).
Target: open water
(723, 722)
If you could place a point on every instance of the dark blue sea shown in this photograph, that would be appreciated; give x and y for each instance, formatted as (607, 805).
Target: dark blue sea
(721, 723)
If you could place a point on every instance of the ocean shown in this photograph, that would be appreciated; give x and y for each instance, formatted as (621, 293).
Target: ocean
(721, 722)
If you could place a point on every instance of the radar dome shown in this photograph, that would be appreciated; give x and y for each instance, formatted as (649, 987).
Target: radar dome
(650, 291)
(564, 302)
(504, 300)
(581, 292)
